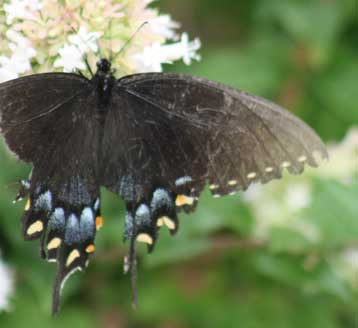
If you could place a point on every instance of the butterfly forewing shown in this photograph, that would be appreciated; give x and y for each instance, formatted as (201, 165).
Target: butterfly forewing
(243, 138)
(24, 107)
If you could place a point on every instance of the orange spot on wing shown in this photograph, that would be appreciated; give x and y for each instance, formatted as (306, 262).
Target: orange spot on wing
(90, 248)
(99, 222)
(182, 200)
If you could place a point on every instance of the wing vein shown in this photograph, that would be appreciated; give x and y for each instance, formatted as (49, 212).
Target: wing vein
(47, 111)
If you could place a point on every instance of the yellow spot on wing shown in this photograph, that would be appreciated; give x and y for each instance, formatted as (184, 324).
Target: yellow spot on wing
(213, 186)
(165, 220)
(269, 169)
(54, 243)
(99, 222)
(72, 257)
(286, 164)
(302, 159)
(90, 248)
(232, 183)
(145, 238)
(28, 204)
(251, 175)
(184, 200)
(35, 227)
(126, 264)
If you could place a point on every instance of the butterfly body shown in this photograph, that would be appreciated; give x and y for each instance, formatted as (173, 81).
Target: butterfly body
(154, 139)
(103, 81)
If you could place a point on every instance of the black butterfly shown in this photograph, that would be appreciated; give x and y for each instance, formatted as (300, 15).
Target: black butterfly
(154, 139)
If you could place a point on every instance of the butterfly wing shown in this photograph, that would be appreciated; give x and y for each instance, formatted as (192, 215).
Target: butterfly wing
(50, 121)
(180, 131)
(25, 105)
(149, 160)
(164, 136)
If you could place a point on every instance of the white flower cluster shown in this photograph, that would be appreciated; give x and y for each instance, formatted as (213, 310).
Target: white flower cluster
(73, 52)
(21, 9)
(348, 267)
(281, 204)
(19, 60)
(43, 35)
(152, 58)
(6, 286)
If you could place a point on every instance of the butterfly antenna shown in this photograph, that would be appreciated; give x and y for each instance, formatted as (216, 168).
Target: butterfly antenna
(88, 65)
(110, 41)
(129, 40)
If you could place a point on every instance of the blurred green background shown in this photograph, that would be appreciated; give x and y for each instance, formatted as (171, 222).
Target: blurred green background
(228, 267)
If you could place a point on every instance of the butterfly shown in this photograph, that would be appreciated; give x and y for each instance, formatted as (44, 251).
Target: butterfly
(154, 139)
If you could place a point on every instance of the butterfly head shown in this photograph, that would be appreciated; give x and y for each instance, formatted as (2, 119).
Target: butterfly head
(104, 65)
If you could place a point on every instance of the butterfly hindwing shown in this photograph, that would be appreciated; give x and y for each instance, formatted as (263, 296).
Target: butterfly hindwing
(151, 161)
(70, 172)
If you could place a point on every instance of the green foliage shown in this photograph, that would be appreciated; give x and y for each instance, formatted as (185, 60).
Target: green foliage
(219, 271)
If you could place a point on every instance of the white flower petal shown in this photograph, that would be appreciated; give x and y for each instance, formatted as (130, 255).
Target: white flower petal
(6, 286)
(164, 26)
(21, 9)
(19, 62)
(85, 41)
(7, 74)
(152, 58)
(298, 196)
(70, 59)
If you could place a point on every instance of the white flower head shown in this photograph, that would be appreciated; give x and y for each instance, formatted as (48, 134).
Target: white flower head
(21, 56)
(6, 286)
(19, 62)
(343, 163)
(44, 26)
(8, 69)
(189, 49)
(351, 257)
(298, 196)
(348, 266)
(18, 38)
(70, 59)
(21, 9)
(152, 58)
(164, 26)
(85, 41)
